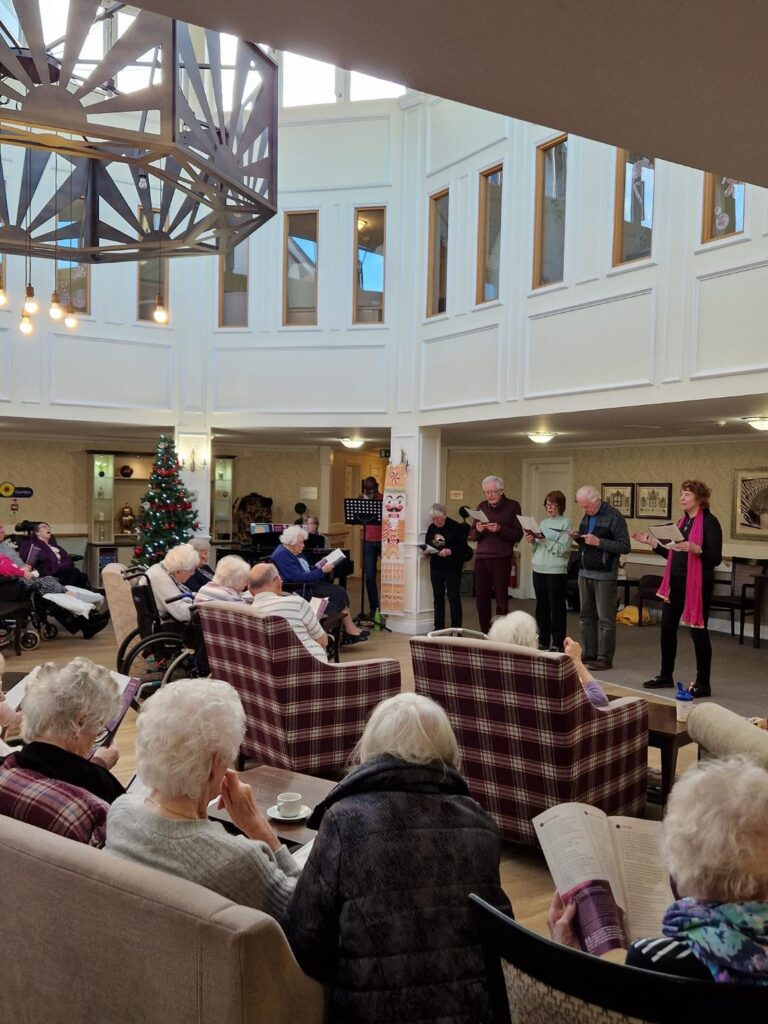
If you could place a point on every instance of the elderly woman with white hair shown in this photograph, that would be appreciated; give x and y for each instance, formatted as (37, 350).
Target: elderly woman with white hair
(169, 582)
(63, 713)
(381, 912)
(715, 843)
(203, 573)
(186, 737)
(445, 543)
(295, 569)
(520, 628)
(228, 583)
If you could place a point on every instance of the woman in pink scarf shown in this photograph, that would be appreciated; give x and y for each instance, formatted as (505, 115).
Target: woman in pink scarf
(687, 585)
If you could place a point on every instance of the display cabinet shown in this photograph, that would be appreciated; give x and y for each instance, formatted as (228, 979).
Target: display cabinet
(222, 498)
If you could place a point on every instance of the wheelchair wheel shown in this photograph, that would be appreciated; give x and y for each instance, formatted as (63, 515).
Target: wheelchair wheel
(183, 666)
(149, 659)
(124, 648)
(49, 631)
(29, 640)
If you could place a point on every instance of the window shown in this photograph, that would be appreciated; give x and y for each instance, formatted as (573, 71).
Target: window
(66, 271)
(307, 81)
(300, 269)
(366, 87)
(489, 235)
(437, 269)
(549, 233)
(633, 215)
(370, 234)
(152, 275)
(723, 207)
(233, 287)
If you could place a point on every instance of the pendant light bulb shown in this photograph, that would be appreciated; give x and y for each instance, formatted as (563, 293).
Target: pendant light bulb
(161, 313)
(26, 324)
(55, 312)
(30, 302)
(70, 320)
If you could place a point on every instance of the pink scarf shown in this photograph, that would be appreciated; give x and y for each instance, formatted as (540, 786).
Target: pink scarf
(693, 611)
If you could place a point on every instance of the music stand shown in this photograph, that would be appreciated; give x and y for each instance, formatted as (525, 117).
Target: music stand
(363, 512)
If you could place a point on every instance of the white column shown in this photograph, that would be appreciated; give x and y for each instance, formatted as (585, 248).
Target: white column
(422, 451)
(194, 451)
(324, 508)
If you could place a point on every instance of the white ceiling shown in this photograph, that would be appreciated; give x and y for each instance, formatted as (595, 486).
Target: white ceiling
(683, 80)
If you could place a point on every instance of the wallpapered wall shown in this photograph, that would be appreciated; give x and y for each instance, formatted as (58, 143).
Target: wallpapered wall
(57, 471)
(711, 461)
(279, 475)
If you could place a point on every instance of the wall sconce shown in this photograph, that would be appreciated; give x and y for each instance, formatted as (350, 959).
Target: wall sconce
(352, 442)
(758, 422)
(194, 462)
(540, 437)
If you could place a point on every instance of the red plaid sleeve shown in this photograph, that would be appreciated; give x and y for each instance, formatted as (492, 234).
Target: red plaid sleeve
(53, 805)
(528, 735)
(301, 713)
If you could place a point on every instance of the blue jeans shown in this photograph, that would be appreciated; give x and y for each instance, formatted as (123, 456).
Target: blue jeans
(371, 555)
(598, 617)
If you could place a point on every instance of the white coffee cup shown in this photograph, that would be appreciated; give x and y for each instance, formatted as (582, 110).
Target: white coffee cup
(289, 804)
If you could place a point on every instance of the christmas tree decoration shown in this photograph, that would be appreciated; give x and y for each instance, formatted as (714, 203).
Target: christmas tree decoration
(167, 517)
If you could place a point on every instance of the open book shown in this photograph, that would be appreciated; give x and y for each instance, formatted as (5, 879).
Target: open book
(530, 525)
(612, 868)
(666, 534)
(477, 515)
(318, 606)
(428, 549)
(337, 555)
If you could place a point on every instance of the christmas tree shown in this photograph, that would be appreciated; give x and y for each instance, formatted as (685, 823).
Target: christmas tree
(166, 517)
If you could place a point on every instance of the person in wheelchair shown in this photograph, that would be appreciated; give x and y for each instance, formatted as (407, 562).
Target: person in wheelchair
(41, 552)
(71, 608)
(168, 580)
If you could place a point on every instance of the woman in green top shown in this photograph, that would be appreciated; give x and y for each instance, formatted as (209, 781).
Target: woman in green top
(551, 549)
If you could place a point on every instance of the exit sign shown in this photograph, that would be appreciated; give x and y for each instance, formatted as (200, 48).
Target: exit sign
(384, 453)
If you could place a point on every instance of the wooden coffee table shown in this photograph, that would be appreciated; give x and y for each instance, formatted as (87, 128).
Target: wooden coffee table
(266, 783)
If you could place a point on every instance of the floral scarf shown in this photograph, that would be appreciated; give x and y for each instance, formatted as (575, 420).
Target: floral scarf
(693, 610)
(730, 939)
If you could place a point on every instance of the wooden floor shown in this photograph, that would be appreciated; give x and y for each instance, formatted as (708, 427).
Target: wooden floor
(524, 875)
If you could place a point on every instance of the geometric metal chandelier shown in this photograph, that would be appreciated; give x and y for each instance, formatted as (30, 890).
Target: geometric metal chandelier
(163, 135)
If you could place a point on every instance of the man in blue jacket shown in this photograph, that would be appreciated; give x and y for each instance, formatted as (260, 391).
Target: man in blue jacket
(602, 537)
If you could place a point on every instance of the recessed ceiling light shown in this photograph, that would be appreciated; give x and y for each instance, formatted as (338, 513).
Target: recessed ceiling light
(758, 422)
(540, 437)
(352, 442)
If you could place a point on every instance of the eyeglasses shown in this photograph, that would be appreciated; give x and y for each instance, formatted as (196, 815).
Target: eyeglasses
(495, 490)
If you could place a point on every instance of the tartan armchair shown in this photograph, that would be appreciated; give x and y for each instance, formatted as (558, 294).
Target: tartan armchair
(529, 738)
(301, 713)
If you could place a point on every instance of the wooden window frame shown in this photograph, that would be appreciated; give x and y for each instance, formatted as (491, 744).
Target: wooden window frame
(360, 210)
(221, 323)
(165, 276)
(707, 211)
(286, 220)
(539, 211)
(483, 201)
(434, 198)
(617, 250)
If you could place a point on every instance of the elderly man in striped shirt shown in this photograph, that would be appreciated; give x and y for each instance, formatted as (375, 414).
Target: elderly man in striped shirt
(265, 585)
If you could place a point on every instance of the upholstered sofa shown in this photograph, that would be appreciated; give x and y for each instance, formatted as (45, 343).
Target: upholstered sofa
(722, 733)
(91, 937)
(529, 737)
(301, 713)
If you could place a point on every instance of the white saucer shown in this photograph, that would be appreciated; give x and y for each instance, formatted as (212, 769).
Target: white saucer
(305, 812)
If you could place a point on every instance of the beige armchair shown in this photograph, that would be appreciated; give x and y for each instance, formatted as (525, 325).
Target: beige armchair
(722, 733)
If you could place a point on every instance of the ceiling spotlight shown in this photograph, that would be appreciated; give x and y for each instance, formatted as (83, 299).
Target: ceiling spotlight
(26, 324)
(540, 437)
(55, 311)
(70, 320)
(160, 314)
(758, 422)
(30, 302)
(352, 442)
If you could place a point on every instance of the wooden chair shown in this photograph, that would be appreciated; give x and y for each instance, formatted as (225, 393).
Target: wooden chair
(741, 595)
(532, 980)
(646, 591)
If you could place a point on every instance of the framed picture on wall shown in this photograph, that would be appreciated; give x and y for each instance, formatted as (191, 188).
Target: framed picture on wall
(621, 496)
(653, 501)
(750, 512)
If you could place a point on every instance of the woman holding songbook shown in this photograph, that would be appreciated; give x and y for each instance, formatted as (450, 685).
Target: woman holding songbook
(686, 589)
(445, 544)
(715, 835)
(551, 550)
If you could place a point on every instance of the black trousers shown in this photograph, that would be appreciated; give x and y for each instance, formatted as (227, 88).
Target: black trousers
(446, 579)
(670, 621)
(549, 589)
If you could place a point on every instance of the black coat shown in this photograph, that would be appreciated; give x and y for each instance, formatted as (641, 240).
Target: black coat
(381, 910)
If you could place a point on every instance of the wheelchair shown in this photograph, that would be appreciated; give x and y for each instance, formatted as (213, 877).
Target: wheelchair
(159, 649)
(35, 624)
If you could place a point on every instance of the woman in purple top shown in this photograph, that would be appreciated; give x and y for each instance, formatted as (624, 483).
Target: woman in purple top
(51, 559)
